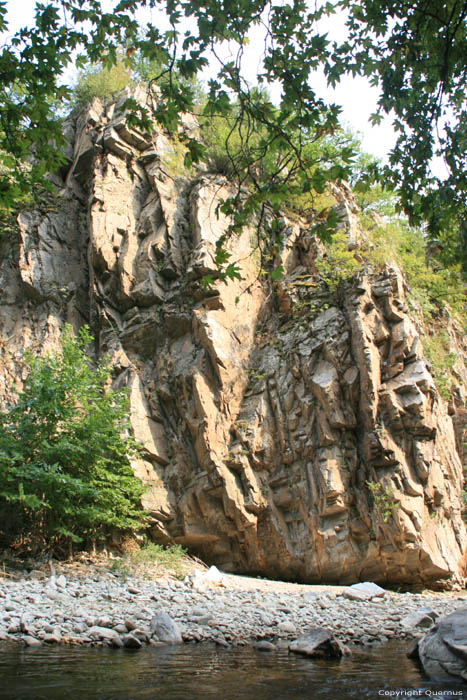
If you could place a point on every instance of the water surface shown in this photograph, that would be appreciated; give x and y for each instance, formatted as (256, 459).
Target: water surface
(210, 673)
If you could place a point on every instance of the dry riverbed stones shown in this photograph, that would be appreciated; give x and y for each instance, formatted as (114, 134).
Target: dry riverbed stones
(108, 609)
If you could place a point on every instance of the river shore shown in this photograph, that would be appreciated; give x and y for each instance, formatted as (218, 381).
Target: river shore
(98, 606)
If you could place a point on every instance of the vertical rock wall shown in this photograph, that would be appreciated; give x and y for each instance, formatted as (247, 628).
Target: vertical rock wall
(288, 433)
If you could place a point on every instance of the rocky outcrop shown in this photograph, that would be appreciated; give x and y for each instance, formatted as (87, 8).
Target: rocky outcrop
(289, 432)
(443, 650)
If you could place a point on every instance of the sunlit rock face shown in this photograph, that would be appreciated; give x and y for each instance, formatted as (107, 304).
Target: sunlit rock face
(288, 432)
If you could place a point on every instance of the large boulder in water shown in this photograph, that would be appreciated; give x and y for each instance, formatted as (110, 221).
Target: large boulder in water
(443, 650)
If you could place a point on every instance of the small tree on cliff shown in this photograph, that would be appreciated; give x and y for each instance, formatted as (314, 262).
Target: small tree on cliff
(64, 462)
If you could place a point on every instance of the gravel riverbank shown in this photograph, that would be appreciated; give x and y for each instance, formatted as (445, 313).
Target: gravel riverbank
(101, 607)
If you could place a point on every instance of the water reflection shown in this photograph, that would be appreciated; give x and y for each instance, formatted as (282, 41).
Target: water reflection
(205, 672)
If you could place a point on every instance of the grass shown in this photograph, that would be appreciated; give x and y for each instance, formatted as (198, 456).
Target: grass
(152, 560)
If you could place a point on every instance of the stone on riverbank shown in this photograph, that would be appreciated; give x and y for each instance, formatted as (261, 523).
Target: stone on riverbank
(165, 629)
(317, 642)
(101, 633)
(419, 619)
(31, 641)
(130, 641)
(99, 609)
(363, 591)
(264, 645)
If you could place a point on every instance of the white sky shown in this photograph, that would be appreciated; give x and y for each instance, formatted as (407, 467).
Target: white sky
(357, 98)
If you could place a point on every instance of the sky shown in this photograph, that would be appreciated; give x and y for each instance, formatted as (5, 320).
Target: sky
(355, 95)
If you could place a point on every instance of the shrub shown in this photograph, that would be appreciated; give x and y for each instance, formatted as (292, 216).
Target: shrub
(108, 77)
(100, 81)
(383, 499)
(442, 362)
(66, 474)
(339, 263)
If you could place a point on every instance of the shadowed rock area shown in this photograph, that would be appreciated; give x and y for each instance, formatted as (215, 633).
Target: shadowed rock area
(311, 446)
(443, 650)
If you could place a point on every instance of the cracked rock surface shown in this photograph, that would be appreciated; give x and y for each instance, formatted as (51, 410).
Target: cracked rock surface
(290, 433)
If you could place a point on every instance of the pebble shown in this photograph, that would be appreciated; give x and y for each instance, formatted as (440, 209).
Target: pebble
(106, 610)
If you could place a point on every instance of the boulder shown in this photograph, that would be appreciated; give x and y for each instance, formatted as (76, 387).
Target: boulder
(264, 645)
(363, 591)
(130, 641)
(165, 629)
(202, 580)
(419, 619)
(61, 581)
(102, 633)
(317, 642)
(31, 641)
(287, 627)
(443, 650)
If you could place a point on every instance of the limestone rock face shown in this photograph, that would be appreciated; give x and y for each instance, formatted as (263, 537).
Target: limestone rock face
(288, 433)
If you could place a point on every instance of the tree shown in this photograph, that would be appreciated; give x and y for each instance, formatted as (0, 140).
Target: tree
(415, 53)
(64, 459)
(97, 81)
(413, 50)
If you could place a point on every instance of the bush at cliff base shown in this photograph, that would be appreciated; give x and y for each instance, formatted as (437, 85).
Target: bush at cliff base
(65, 455)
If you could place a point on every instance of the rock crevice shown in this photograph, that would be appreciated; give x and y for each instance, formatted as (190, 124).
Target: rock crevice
(291, 435)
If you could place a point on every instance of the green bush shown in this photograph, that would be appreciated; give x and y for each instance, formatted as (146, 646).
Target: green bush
(237, 146)
(432, 286)
(339, 263)
(107, 77)
(100, 81)
(66, 474)
(382, 499)
(442, 362)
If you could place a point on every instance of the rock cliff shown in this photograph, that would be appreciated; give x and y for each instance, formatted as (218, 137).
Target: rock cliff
(288, 432)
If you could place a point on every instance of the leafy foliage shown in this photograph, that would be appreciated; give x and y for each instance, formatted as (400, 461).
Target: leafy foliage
(415, 52)
(104, 80)
(338, 263)
(99, 81)
(383, 499)
(66, 475)
(442, 362)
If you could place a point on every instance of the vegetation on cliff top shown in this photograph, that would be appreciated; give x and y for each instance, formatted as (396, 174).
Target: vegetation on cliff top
(414, 52)
(65, 454)
(432, 271)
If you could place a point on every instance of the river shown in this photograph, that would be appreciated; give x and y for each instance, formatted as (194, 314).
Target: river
(206, 672)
